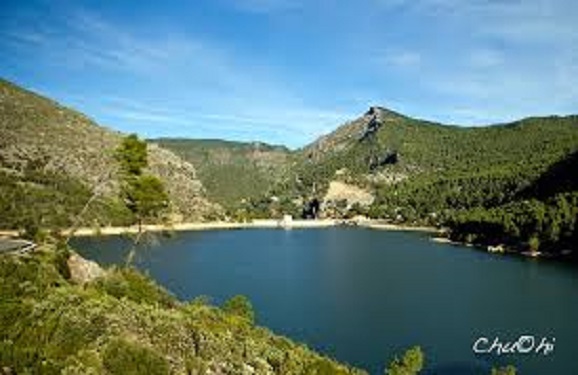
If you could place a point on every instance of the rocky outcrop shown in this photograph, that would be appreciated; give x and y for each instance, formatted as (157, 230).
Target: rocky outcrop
(387, 158)
(371, 128)
(83, 271)
(340, 191)
(351, 132)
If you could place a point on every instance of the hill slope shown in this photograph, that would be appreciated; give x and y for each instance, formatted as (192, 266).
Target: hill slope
(47, 148)
(124, 323)
(232, 171)
(383, 147)
(518, 180)
(542, 218)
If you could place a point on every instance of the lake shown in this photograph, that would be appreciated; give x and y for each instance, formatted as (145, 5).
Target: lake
(363, 296)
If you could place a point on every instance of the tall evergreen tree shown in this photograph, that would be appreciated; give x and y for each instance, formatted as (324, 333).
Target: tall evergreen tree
(143, 193)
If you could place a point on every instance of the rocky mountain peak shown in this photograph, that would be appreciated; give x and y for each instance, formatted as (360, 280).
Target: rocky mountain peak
(382, 113)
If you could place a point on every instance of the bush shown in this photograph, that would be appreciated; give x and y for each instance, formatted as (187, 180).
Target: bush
(240, 306)
(508, 370)
(126, 358)
(324, 367)
(534, 243)
(133, 285)
(410, 364)
(126, 324)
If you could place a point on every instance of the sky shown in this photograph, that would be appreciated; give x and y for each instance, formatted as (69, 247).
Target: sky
(288, 71)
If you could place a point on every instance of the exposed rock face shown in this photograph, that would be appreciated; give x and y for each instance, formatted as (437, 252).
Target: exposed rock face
(185, 189)
(36, 129)
(340, 191)
(389, 157)
(351, 132)
(386, 178)
(371, 128)
(311, 209)
(83, 271)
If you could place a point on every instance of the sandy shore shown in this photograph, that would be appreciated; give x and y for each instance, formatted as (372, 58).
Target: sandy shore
(385, 226)
(221, 225)
(500, 249)
(448, 241)
(217, 225)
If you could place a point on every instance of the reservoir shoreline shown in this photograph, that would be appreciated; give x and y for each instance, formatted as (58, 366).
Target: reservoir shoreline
(222, 225)
(437, 234)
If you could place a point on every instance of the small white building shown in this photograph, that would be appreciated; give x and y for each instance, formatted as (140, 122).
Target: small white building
(287, 221)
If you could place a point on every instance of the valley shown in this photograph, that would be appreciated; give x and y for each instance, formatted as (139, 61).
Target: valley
(507, 184)
(507, 187)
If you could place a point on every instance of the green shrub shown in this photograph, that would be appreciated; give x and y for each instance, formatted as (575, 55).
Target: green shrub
(61, 256)
(324, 367)
(240, 306)
(126, 324)
(410, 364)
(27, 276)
(133, 285)
(508, 370)
(127, 358)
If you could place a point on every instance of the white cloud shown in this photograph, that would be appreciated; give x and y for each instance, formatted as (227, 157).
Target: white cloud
(528, 21)
(469, 60)
(304, 124)
(502, 59)
(187, 82)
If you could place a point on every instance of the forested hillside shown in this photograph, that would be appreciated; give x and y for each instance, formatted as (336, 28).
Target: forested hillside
(487, 184)
(52, 159)
(462, 177)
(512, 184)
(232, 171)
(543, 217)
(384, 147)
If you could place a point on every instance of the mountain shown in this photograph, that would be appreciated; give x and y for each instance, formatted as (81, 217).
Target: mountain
(383, 147)
(501, 184)
(510, 184)
(52, 158)
(232, 171)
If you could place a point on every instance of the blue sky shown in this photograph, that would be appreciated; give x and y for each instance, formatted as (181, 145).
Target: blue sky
(287, 71)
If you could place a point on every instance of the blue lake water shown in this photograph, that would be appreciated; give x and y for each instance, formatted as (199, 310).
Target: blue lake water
(363, 296)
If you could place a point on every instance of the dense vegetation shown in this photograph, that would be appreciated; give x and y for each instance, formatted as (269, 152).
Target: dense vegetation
(51, 153)
(123, 323)
(410, 364)
(523, 149)
(512, 184)
(543, 217)
(509, 184)
(35, 199)
(232, 171)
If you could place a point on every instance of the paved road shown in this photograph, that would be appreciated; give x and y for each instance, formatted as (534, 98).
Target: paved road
(8, 245)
